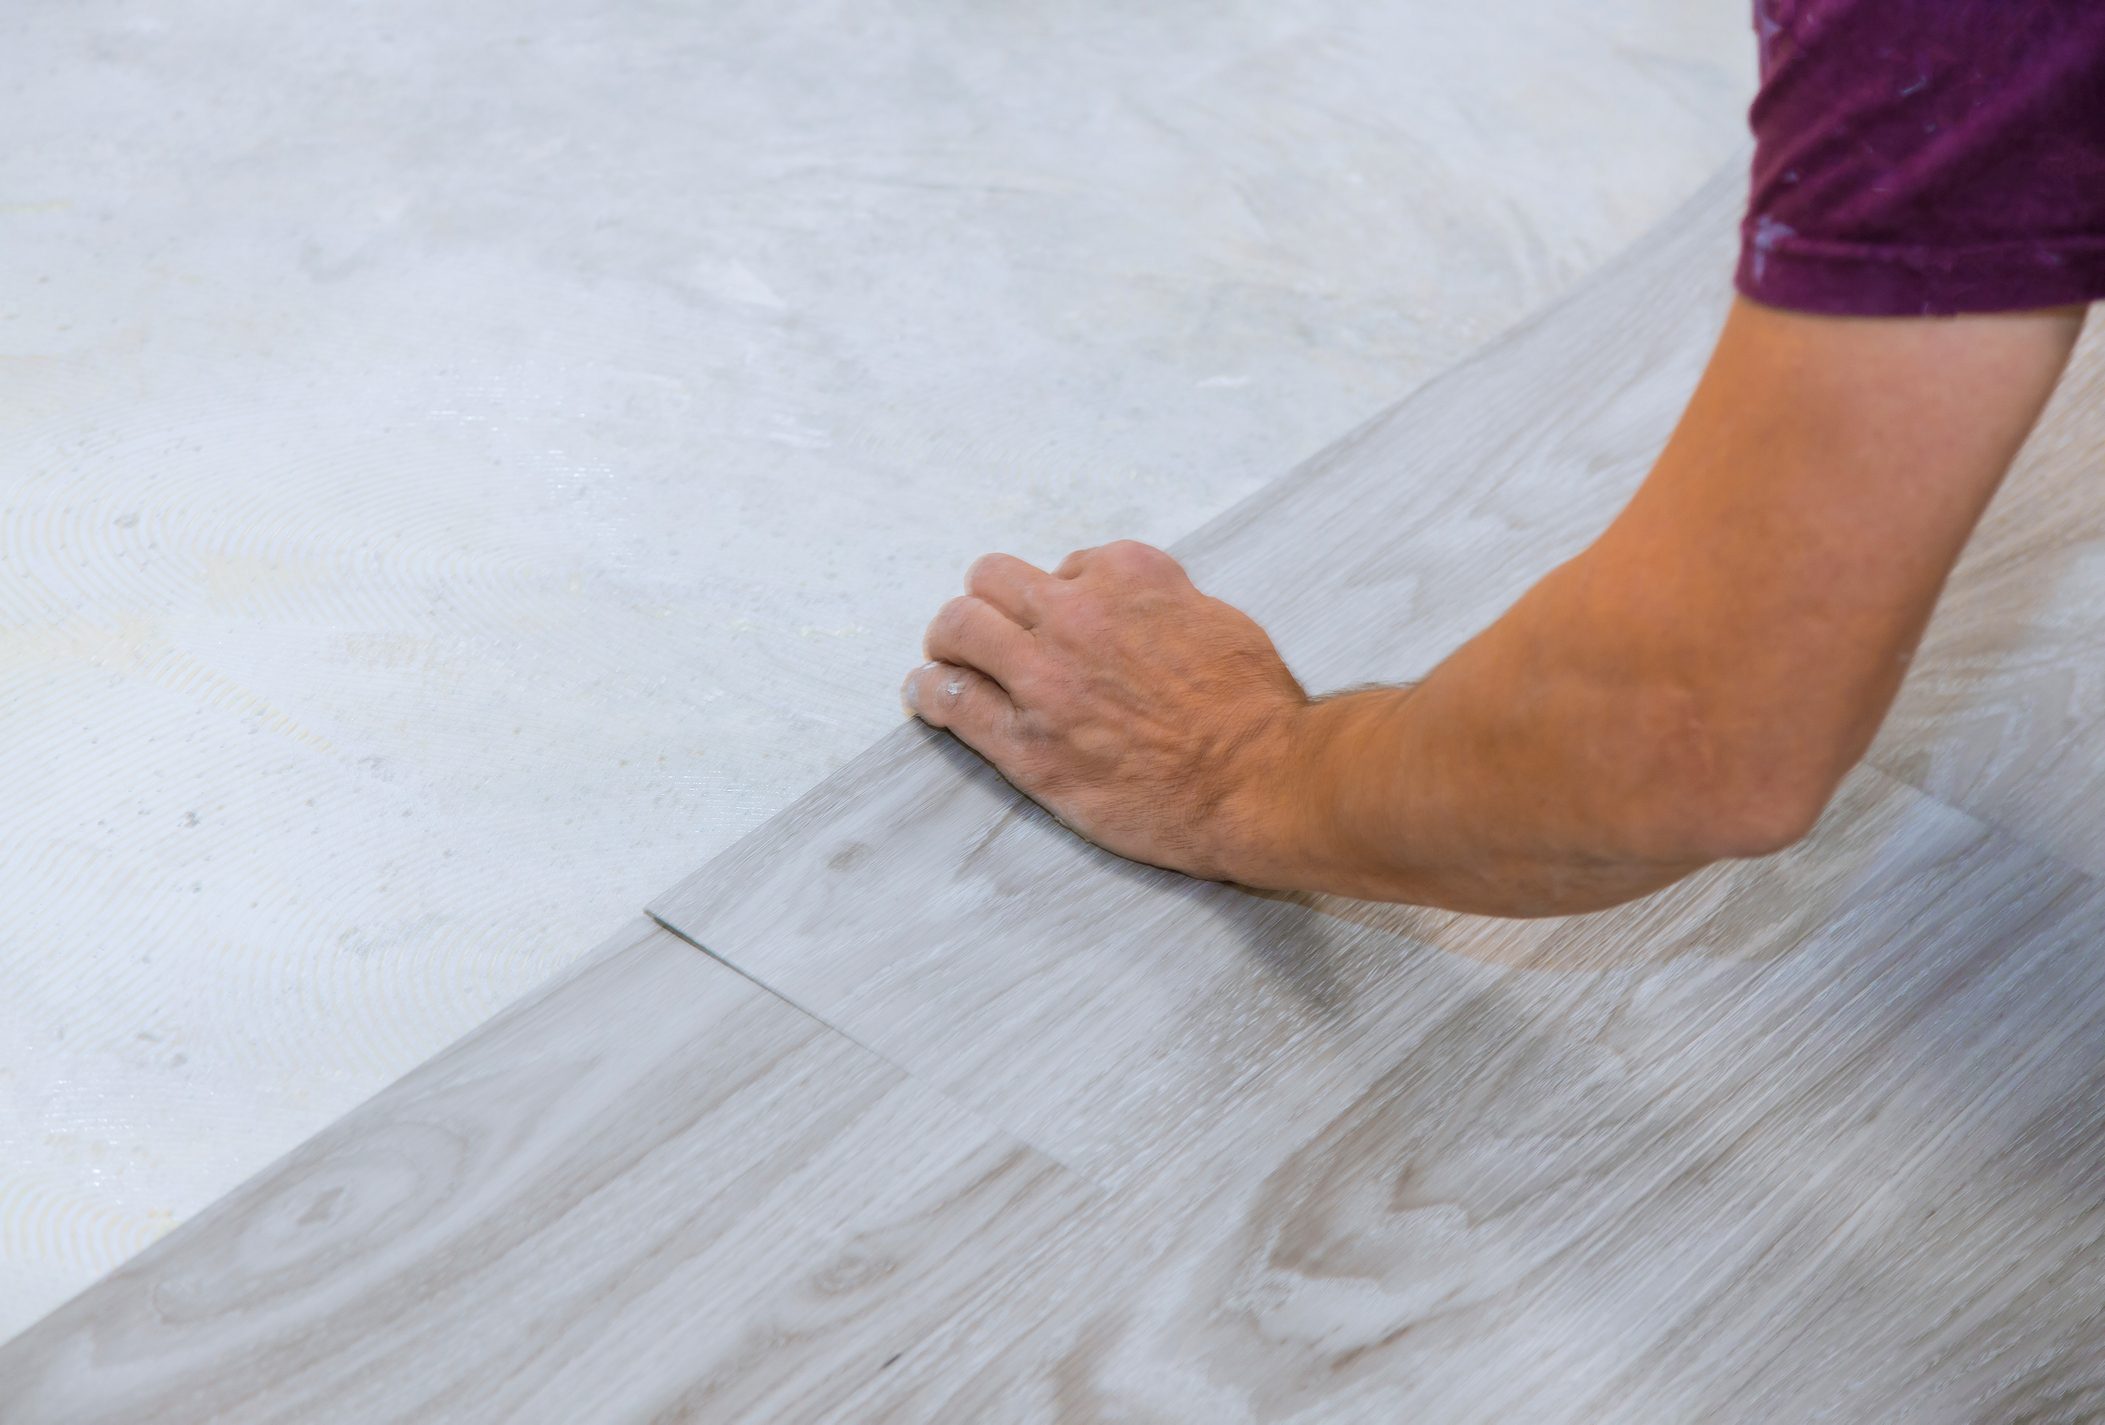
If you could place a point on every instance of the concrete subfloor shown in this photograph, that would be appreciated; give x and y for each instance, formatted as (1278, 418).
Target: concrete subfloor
(463, 466)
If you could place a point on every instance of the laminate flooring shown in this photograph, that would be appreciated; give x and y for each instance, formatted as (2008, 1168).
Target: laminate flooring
(649, 1191)
(1813, 1134)
(2003, 711)
(1855, 1176)
(1028, 1132)
(1830, 1148)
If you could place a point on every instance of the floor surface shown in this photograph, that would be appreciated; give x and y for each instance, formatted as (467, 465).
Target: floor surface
(463, 466)
(961, 1119)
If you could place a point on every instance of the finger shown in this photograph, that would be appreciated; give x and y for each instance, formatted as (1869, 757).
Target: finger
(974, 633)
(1009, 584)
(971, 705)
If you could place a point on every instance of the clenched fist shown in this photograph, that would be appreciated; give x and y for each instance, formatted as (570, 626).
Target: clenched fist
(1150, 718)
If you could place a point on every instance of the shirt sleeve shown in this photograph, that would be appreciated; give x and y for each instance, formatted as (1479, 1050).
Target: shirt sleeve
(1927, 156)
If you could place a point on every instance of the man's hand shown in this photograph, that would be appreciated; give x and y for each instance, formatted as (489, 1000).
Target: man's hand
(1148, 717)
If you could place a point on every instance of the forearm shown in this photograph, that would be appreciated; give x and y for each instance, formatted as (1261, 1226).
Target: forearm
(1695, 684)
(1542, 769)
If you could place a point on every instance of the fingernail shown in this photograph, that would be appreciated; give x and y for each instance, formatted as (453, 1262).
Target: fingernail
(907, 693)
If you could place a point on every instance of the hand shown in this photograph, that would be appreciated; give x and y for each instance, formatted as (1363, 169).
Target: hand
(1153, 720)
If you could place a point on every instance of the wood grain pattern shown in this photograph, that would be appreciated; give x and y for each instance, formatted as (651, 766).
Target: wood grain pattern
(1846, 1169)
(2003, 712)
(1818, 1135)
(652, 1191)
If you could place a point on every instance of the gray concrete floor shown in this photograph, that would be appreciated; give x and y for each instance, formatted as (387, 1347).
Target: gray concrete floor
(463, 466)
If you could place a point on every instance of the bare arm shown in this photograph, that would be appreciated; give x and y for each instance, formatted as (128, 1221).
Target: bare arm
(1691, 687)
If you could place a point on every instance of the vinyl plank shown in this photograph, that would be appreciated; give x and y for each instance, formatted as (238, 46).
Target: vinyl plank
(651, 1191)
(1844, 1164)
(1817, 1135)
(2003, 712)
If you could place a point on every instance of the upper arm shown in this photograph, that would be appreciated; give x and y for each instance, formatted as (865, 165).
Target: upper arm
(1781, 561)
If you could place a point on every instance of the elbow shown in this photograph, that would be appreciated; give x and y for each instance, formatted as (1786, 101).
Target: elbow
(1761, 820)
(1719, 795)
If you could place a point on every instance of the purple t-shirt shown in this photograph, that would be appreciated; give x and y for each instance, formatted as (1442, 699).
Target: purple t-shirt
(1927, 156)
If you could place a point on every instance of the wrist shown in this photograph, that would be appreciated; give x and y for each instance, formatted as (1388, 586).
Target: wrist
(1270, 828)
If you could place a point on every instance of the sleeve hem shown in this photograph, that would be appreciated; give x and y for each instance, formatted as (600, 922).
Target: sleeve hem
(1863, 279)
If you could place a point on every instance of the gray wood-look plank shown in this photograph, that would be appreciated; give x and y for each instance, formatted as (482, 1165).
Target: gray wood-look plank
(652, 1191)
(1821, 1136)
(1824, 1133)
(1823, 1139)
(2003, 712)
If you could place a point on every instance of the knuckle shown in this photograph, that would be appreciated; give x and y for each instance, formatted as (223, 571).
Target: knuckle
(982, 570)
(1026, 684)
(1130, 562)
(953, 617)
(1043, 692)
(1055, 601)
(946, 696)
